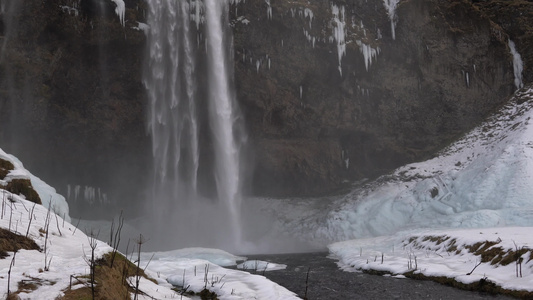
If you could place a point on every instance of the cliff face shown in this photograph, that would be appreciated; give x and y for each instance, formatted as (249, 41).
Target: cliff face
(318, 120)
(329, 96)
(71, 97)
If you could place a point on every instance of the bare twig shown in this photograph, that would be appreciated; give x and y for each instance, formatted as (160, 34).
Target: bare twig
(9, 272)
(31, 218)
(474, 268)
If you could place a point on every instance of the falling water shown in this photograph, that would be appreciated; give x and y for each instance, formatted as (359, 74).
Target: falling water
(190, 90)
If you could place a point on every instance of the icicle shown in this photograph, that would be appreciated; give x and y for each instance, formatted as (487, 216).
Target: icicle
(257, 65)
(269, 10)
(345, 158)
(390, 6)
(120, 10)
(339, 32)
(368, 52)
(308, 13)
(301, 92)
(518, 65)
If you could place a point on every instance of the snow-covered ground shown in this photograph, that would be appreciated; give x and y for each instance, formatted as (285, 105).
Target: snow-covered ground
(449, 253)
(184, 268)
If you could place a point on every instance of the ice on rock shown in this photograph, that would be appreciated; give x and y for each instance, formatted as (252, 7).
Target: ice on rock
(142, 27)
(390, 6)
(70, 10)
(518, 65)
(120, 10)
(308, 13)
(311, 39)
(269, 10)
(339, 32)
(346, 159)
(368, 52)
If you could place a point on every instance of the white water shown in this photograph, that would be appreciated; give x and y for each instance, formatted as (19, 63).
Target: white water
(223, 113)
(177, 105)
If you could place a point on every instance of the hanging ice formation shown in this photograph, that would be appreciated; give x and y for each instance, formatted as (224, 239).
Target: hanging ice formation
(269, 10)
(518, 65)
(369, 53)
(171, 78)
(120, 10)
(308, 13)
(339, 32)
(390, 6)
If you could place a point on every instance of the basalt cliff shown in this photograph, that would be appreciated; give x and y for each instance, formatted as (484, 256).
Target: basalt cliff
(332, 92)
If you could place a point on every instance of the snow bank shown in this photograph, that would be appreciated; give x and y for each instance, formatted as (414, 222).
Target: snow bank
(444, 253)
(48, 195)
(215, 256)
(260, 266)
(197, 274)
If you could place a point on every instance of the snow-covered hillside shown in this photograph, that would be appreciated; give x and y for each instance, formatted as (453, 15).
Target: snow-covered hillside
(62, 260)
(48, 195)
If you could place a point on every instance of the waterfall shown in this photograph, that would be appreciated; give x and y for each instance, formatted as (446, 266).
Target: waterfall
(193, 119)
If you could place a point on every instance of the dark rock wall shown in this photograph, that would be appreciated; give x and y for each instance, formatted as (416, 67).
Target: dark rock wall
(71, 97)
(72, 101)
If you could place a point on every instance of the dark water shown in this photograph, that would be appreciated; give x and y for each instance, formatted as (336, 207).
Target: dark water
(327, 281)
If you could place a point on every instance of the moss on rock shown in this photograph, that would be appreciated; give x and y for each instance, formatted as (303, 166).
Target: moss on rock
(23, 187)
(5, 167)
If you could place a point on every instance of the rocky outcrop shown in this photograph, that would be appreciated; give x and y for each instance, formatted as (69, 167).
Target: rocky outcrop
(319, 117)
